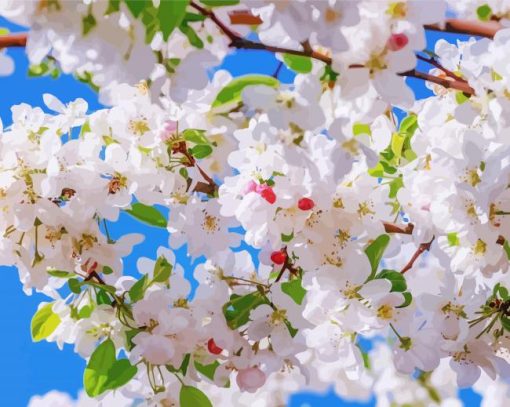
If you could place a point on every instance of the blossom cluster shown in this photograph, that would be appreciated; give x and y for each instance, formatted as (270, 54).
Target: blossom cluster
(319, 220)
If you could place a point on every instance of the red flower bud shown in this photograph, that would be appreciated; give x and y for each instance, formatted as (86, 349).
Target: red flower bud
(278, 257)
(397, 42)
(305, 204)
(268, 194)
(213, 348)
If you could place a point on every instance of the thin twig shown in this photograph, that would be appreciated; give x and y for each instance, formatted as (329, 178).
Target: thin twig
(435, 63)
(421, 248)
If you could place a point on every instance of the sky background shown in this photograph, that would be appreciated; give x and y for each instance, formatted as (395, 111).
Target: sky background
(30, 369)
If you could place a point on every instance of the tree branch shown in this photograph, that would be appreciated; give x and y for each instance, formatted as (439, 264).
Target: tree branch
(460, 85)
(470, 27)
(13, 40)
(421, 248)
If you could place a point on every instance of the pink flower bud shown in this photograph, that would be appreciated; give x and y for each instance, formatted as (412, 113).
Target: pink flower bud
(169, 128)
(267, 193)
(251, 187)
(250, 379)
(305, 204)
(397, 41)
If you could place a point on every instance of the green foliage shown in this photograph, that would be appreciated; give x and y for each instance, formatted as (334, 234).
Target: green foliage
(195, 136)
(193, 397)
(219, 3)
(74, 285)
(147, 214)
(361, 128)
(375, 251)
(298, 63)
(162, 270)
(484, 12)
(294, 290)
(231, 94)
(207, 370)
(408, 299)
(397, 280)
(201, 151)
(48, 67)
(137, 291)
(60, 273)
(237, 310)
(104, 372)
(136, 6)
(88, 23)
(453, 239)
(44, 322)
(170, 15)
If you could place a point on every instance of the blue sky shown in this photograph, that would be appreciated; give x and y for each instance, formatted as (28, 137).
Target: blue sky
(38, 368)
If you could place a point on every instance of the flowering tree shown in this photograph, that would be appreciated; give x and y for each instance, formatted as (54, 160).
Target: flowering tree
(321, 219)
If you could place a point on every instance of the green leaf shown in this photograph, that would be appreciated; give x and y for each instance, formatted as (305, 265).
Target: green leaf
(395, 185)
(408, 298)
(232, 93)
(397, 143)
(136, 6)
(287, 238)
(195, 136)
(193, 397)
(397, 280)
(104, 372)
(170, 15)
(88, 23)
(361, 128)
(298, 63)
(237, 310)
(218, 3)
(506, 247)
(44, 322)
(107, 270)
(409, 125)
(375, 251)
(377, 171)
(294, 290)
(74, 285)
(4, 31)
(503, 292)
(191, 35)
(484, 12)
(150, 22)
(85, 311)
(108, 288)
(453, 239)
(60, 273)
(201, 151)
(147, 214)
(137, 291)
(113, 7)
(95, 376)
(460, 98)
(102, 297)
(120, 373)
(162, 270)
(207, 370)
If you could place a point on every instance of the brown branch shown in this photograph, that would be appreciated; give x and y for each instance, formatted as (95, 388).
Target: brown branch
(421, 248)
(13, 40)
(460, 85)
(470, 27)
(436, 64)
(393, 228)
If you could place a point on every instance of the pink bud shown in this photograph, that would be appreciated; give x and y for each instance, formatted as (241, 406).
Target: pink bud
(397, 41)
(267, 193)
(250, 379)
(169, 128)
(305, 204)
(251, 187)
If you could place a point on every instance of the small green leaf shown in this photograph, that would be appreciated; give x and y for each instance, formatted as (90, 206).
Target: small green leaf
(294, 290)
(503, 292)
(44, 322)
(397, 143)
(232, 93)
(195, 136)
(408, 298)
(162, 270)
(191, 35)
(88, 23)
(460, 98)
(287, 238)
(395, 185)
(237, 310)
(506, 247)
(408, 125)
(102, 297)
(170, 15)
(74, 285)
(201, 151)
(113, 7)
(375, 251)
(136, 6)
(361, 128)
(107, 270)
(484, 12)
(218, 3)
(397, 280)
(193, 397)
(377, 171)
(298, 63)
(147, 214)
(453, 239)
(104, 372)
(85, 311)
(60, 273)
(4, 31)
(137, 291)
(207, 370)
